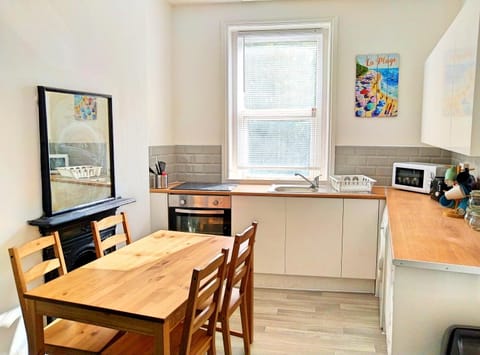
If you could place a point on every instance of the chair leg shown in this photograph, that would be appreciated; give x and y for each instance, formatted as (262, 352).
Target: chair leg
(227, 344)
(244, 319)
(212, 350)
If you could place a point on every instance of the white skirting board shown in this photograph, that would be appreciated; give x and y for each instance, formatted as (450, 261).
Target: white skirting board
(313, 283)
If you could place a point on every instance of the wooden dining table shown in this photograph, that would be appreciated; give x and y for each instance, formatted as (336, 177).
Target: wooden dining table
(142, 287)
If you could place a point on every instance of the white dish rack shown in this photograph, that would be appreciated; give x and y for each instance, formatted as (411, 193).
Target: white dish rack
(352, 183)
(80, 171)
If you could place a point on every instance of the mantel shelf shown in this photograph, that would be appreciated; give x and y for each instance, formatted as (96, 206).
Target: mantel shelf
(48, 223)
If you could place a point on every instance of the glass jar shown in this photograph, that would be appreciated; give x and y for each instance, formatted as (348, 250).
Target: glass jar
(468, 211)
(474, 200)
(474, 220)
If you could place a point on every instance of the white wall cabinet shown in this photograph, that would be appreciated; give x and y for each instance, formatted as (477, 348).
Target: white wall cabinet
(360, 227)
(452, 86)
(327, 237)
(314, 236)
(269, 249)
(158, 211)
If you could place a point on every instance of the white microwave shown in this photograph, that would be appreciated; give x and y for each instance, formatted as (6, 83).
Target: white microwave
(417, 177)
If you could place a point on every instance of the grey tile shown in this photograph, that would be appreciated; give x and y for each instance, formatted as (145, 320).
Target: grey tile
(380, 161)
(383, 171)
(162, 150)
(344, 150)
(184, 158)
(368, 151)
(370, 172)
(207, 158)
(199, 149)
(430, 152)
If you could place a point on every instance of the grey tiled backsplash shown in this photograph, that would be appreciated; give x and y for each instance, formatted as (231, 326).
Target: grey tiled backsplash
(198, 163)
(204, 163)
(376, 162)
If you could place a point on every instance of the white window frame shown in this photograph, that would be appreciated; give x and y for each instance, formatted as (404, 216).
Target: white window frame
(327, 27)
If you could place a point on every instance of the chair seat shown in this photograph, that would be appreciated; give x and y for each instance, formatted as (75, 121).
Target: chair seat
(200, 340)
(131, 344)
(75, 335)
(139, 344)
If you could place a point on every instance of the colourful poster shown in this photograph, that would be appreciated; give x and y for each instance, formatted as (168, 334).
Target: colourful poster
(376, 85)
(85, 107)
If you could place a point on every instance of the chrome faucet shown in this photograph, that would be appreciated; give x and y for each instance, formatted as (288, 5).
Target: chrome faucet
(313, 184)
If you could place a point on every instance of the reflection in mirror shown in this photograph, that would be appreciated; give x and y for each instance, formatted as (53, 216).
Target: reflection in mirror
(76, 149)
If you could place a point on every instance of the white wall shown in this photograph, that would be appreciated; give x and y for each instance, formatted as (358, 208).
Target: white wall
(408, 27)
(118, 47)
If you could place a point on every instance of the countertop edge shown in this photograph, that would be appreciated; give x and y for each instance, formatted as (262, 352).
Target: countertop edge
(464, 269)
(378, 192)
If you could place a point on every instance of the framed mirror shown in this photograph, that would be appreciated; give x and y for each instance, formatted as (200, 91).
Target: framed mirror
(76, 147)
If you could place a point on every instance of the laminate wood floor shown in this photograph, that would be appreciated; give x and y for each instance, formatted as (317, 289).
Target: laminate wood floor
(312, 322)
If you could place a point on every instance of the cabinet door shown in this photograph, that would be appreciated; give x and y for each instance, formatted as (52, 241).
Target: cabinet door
(269, 251)
(314, 236)
(158, 211)
(360, 227)
(451, 83)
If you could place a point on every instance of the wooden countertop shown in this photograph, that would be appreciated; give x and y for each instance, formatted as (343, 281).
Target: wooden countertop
(378, 192)
(422, 234)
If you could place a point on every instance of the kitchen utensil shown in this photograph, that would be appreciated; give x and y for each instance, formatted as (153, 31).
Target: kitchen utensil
(152, 171)
(162, 165)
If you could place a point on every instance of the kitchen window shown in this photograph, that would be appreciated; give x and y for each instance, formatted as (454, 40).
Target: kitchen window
(279, 78)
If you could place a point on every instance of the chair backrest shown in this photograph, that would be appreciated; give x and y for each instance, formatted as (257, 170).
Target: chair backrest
(204, 299)
(24, 277)
(240, 263)
(115, 239)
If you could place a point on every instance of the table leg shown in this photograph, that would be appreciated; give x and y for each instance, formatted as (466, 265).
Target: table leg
(36, 341)
(162, 339)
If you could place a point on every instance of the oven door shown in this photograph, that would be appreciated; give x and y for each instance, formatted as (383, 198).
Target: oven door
(200, 220)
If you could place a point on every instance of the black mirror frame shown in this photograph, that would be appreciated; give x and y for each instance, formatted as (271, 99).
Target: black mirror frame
(44, 150)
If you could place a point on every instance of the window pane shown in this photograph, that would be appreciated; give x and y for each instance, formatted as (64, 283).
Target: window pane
(279, 74)
(278, 144)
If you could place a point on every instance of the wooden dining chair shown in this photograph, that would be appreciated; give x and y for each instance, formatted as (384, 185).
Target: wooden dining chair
(203, 304)
(238, 274)
(61, 336)
(114, 240)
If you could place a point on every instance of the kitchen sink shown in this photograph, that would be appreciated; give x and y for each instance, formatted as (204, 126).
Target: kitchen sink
(292, 188)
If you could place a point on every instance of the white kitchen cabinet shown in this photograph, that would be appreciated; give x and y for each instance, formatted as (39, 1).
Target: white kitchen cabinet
(303, 236)
(314, 236)
(452, 86)
(360, 226)
(269, 251)
(158, 211)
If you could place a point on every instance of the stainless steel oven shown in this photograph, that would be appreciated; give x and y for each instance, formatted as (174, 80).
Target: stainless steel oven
(207, 214)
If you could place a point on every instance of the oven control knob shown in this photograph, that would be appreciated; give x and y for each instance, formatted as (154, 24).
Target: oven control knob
(215, 202)
(182, 201)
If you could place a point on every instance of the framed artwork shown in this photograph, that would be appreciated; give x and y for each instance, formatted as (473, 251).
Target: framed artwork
(376, 85)
(85, 107)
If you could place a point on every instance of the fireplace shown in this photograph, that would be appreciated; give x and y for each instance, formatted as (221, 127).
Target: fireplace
(75, 233)
(77, 243)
